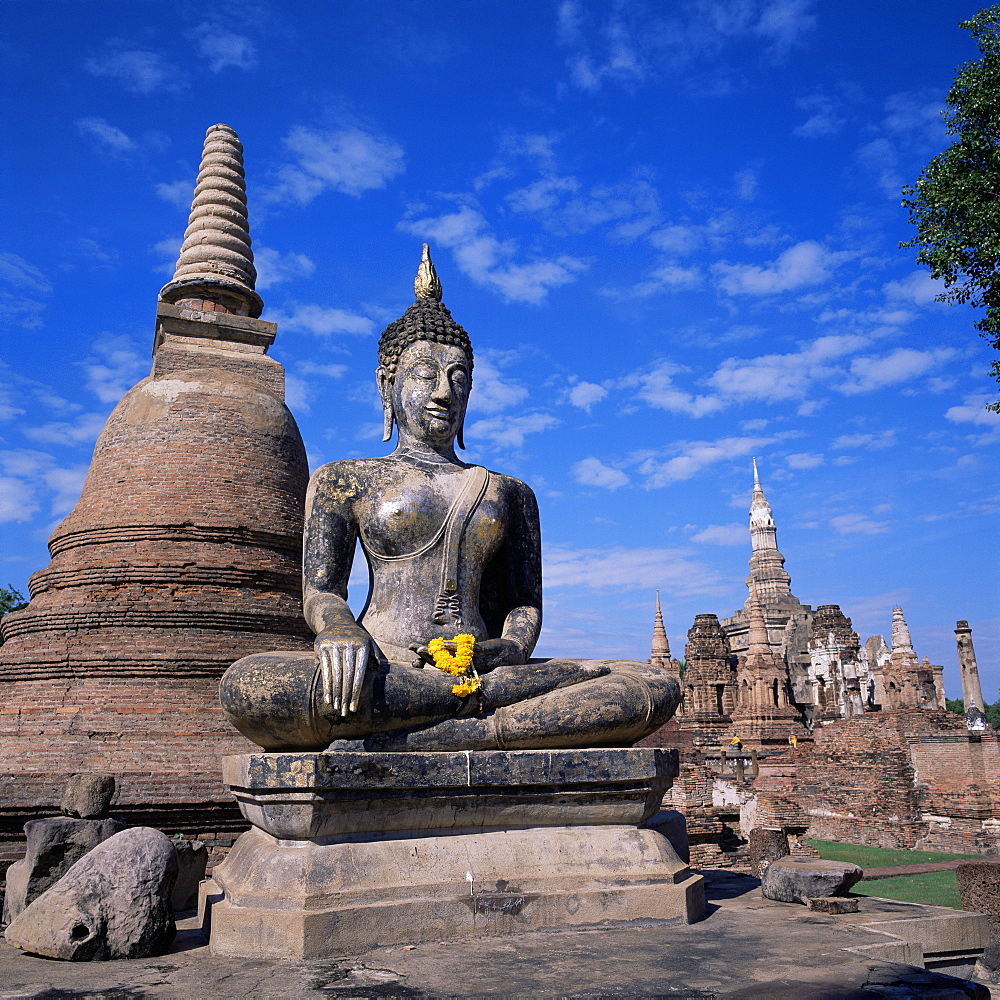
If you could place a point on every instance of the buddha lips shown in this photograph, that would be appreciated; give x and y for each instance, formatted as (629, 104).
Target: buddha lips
(458, 663)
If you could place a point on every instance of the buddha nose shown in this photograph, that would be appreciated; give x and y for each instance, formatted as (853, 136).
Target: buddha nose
(443, 392)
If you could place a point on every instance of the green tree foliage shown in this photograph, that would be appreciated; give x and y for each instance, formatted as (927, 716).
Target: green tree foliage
(10, 600)
(992, 712)
(955, 203)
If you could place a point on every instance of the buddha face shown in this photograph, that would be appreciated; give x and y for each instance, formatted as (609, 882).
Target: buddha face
(431, 391)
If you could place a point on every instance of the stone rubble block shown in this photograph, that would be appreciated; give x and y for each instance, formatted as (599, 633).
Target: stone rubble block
(113, 903)
(797, 880)
(87, 796)
(192, 860)
(54, 845)
(833, 904)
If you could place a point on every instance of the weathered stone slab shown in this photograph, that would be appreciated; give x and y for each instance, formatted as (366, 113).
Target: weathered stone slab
(308, 795)
(54, 845)
(113, 903)
(356, 850)
(87, 796)
(192, 860)
(834, 904)
(797, 880)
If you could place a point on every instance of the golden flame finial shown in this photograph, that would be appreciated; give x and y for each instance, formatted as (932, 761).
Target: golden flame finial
(427, 285)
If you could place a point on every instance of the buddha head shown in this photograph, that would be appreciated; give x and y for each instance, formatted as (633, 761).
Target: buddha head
(425, 366)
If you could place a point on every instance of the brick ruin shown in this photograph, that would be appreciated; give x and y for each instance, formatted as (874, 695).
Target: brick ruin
(182, 554)
(788, 720)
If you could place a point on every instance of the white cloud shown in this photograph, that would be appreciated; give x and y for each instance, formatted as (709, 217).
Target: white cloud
(491, 392)
(224, 48)
(167, 250)
(485, 259)
(656, 388)
(695, 456)
(17, 500)
(804, 460)
(900, 365)
(858, 524)
(784, 376)
(348, 160)
(117, 367)
(542, 195)
(871, 442)
(669, 276)
(274, 267)
(585, 394)
(722, 534)
(66, 485)
(593, 472)
(138, 69)
(627, 569)
(179, 193)
(806, 263)
(24, 471)
(918, 287)
(973, 410)
(19, 273)
(824, 117)
(85, 428)
(322, 322)
(509, 432)
(106, 133)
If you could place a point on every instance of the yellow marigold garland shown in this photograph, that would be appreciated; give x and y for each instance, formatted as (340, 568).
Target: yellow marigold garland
(458, 664)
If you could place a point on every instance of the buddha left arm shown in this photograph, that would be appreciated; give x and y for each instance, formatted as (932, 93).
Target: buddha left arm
(520, 563)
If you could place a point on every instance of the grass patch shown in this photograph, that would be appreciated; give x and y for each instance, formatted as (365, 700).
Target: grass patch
(934, 888)
(879, 857)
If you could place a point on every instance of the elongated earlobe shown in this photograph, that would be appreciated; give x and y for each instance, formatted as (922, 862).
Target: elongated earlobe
(384, 390)
(460, 437)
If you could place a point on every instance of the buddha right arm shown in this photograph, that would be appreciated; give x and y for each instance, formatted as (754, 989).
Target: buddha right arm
(342, 645)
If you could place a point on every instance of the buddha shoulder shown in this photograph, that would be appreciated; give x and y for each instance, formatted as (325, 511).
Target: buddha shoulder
(345, 480)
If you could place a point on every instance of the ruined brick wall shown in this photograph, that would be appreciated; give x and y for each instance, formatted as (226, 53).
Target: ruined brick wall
(909, 778)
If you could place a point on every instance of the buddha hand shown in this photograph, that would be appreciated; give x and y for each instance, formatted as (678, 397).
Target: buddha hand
(343, 661)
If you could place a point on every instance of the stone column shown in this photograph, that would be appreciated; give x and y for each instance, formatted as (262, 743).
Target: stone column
(972, 692)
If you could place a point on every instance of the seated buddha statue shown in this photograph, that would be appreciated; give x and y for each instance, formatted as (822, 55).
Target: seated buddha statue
(453, 550)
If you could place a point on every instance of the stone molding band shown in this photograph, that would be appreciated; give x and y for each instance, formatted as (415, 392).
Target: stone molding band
(169, 574)
(240, 535)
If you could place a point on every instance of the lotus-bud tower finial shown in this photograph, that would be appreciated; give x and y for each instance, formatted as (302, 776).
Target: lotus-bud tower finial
(427, 285)
(216, 262)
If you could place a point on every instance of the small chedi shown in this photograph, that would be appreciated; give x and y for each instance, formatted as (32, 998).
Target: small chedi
(426, 777)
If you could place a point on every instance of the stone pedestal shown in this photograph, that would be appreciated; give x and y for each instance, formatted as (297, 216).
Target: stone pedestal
(352, 851)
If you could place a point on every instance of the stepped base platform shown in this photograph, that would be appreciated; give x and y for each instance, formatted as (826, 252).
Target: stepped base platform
(352, 851)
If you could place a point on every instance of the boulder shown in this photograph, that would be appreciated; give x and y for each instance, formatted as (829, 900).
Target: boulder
(192, 859)
(979, 886)
(54, 846)
(113, 903)
(87, 796)
(797, 880)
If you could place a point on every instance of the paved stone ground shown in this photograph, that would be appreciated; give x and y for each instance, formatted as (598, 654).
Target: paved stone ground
(747, 948)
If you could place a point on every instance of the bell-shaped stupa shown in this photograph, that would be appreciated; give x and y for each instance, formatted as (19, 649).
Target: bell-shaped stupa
(182, 554)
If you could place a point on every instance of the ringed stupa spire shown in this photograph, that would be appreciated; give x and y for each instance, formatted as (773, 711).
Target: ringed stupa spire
(216, 263)
(768, 576)
(660, 650)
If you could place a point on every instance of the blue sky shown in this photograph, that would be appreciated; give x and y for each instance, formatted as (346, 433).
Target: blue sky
(670, 228)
